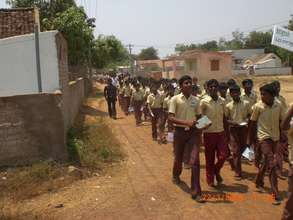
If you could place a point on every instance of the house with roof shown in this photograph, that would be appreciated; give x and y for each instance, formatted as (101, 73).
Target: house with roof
(199, 63)
(263, 61)
(265, 64)
(239, 56)
(148, 68)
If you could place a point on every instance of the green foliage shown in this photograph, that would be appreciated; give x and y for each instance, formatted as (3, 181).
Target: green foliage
(149, 53)
(48, 10)
(209, 45)
(257, 40)
(108, 51)
(73, 24)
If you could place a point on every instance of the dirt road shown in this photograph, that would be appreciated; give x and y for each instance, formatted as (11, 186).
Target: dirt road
(141, 188)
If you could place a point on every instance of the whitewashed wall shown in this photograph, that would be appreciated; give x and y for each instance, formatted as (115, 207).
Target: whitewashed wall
(18, 72)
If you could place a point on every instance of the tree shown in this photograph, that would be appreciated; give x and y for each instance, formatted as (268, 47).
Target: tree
(73, 24)
(256, 40)
(237, 42)
(108, 51)
(48, 9)
(210, 45)
(149, 53)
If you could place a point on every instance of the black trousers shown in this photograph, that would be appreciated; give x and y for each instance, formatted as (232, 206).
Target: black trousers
(111, 107)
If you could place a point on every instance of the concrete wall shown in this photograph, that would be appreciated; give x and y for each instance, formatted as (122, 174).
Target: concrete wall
(18, 64)
(31, 128)
(266, 71)
(273, 63)
(34, 126)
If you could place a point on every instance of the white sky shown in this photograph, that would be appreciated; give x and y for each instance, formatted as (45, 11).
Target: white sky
(163, 23)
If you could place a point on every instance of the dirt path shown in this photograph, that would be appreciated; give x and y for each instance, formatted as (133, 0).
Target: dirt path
(141, 188)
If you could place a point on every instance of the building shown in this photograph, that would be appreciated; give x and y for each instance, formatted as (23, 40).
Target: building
(269, 60)
(239, 56)
(18, 21)
(147, 68)
(199, 63)
(265, 64)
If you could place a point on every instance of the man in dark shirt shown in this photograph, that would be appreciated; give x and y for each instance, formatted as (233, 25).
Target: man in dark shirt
(110, 93)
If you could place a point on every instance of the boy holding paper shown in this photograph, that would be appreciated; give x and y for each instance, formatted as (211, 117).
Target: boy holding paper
(184, 111)
(237, 113)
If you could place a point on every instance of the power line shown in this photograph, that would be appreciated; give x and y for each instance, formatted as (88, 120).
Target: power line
(169, 46)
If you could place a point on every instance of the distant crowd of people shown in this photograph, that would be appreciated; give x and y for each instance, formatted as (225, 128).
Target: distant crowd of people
(238, 119)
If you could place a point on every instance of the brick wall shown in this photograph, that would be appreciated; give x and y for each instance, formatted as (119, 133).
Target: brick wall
(20, 21)
(31, 128)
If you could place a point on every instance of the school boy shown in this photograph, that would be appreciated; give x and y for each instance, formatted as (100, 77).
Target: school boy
(215, 140)
(237, 113)
(126, 96)
(183, 112)
(166, 106)
(137, 99)
(155, 104)
(248, 94)
(265, 129)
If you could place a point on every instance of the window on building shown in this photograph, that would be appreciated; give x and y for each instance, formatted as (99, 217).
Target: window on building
(190, 65)
(215, 65)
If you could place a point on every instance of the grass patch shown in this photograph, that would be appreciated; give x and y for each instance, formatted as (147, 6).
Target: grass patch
(93, 146)
(25, 182)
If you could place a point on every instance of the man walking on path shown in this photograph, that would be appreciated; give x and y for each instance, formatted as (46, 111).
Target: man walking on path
(110, 93)
(184, 111)
(155, 106)
(216, 136)
(137, 102)
(237, 113)
(265, 129)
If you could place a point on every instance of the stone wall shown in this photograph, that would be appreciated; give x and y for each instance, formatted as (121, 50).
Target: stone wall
(18, 21)
(31, 128)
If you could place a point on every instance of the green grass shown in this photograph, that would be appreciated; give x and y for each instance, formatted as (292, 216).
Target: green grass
(93, 146)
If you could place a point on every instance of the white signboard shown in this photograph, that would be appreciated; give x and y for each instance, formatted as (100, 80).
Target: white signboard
(283, 38)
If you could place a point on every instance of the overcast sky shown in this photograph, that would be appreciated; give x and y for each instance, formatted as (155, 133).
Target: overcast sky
(163, 23)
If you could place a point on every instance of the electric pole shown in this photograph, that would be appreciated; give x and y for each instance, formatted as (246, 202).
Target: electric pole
(130, 58)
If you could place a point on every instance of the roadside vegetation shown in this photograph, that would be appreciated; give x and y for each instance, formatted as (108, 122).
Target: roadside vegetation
(92, 147)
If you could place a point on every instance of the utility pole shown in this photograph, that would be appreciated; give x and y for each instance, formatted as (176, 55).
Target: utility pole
(38, 62)
(130, 58)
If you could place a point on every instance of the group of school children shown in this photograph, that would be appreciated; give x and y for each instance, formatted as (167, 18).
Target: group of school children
(239, 120)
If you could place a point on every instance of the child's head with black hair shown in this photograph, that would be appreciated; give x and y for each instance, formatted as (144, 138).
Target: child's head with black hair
(195, 90)
(277, 87)
(235, 92)
(231, 82)
(267, 93)
(223, 87)
(213, 87)
(185, 83)
(184, 78)
(247, 85)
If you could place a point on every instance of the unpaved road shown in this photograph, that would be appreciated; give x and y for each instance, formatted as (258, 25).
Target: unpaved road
(141, 188)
